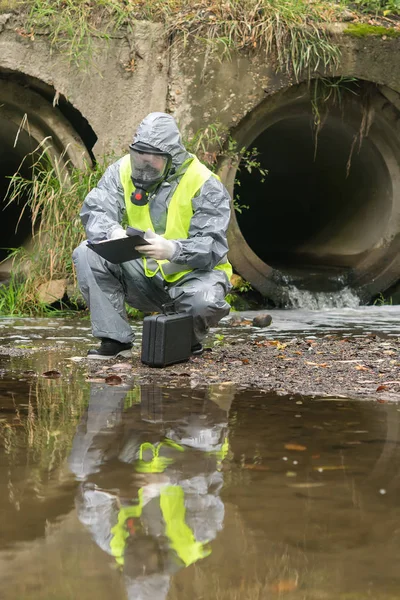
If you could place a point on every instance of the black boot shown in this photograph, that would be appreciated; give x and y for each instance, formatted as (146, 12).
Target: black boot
(197, 349)
(110, 349)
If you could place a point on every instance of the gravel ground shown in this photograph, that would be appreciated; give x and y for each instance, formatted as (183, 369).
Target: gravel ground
(367, 367)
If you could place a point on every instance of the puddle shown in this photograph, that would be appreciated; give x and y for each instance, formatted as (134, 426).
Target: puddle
(76, 333)
(172, 493)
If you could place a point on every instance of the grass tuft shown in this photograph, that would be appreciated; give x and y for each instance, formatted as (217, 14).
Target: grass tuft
(292, 31)
(54, 193)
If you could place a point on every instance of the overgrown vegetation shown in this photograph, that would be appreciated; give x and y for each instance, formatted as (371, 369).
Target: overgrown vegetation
(54, 194)
(378, 7)
(290, 30)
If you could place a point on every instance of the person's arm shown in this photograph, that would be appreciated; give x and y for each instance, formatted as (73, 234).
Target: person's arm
(104, 206)
(207, 243)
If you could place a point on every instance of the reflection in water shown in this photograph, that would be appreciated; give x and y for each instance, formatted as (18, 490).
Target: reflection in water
(150, 469)
(107, 492)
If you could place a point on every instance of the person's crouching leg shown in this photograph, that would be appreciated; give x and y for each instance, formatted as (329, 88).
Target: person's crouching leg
(101, 285)
(203, 296)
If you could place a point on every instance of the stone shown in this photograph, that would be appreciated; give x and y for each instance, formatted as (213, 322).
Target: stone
(4, 18)
(263, 320)
(347, 15)
(51, 291)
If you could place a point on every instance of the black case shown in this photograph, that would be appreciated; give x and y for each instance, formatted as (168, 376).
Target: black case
(167, 339)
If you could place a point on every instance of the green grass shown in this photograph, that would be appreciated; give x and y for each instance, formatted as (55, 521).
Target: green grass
(378, 7)
(289, 30)
(54, 193)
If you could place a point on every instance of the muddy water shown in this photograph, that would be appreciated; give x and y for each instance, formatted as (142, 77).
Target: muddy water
(154, 493)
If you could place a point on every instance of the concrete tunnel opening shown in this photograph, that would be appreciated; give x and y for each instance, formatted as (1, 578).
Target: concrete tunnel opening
(308, 212)
(28, 119)
(15, 145)
(328, 204)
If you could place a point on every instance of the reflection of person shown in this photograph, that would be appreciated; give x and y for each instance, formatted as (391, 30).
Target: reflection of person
(160, 188)
(151, 477)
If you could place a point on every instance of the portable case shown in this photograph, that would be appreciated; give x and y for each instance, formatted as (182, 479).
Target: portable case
(166, 339)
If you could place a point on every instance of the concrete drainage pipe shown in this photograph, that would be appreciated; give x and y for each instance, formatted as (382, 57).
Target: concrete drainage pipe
(327, 215)
(26, 118)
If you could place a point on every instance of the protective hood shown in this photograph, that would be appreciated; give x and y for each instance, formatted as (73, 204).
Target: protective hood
(161, 131)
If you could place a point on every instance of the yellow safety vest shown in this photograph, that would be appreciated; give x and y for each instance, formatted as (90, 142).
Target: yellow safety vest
(180, 212)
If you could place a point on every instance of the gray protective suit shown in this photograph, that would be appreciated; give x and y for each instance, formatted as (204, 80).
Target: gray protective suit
(106, 287)
(104, 457)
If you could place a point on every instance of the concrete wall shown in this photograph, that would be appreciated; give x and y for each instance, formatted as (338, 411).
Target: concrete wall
(136, 73)
(111, 94)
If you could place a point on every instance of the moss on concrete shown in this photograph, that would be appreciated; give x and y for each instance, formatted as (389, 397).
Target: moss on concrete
(362, 30)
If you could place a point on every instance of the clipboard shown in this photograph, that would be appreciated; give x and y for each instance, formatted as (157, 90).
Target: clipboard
(121, 249)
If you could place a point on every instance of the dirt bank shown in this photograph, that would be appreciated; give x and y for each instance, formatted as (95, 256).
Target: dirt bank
(328, 366)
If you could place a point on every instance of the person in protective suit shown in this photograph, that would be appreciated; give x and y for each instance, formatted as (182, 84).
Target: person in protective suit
(151, 473)
(164, 190)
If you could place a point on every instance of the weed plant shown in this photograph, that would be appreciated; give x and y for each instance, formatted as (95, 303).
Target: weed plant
(290, 30)
(378, 7)
(54, 193)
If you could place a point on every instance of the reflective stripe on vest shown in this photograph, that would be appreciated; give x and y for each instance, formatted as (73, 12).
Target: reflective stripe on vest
(180, 212)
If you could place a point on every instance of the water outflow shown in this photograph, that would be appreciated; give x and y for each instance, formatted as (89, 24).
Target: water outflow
(345, 298)
(324, 210)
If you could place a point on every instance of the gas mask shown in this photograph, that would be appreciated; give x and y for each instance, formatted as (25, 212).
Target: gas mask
(150, 167)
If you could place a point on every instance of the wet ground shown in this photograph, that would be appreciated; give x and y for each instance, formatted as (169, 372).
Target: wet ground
(341, 352)
(200, 481)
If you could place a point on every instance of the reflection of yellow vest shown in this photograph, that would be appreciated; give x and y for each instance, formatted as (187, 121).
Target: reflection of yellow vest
(181, 537)
(180, 212)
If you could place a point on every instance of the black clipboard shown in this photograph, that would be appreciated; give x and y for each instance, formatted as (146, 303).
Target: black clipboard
(120, 250)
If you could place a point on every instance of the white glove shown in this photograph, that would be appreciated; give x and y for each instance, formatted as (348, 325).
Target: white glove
(116, 233)
(159, 247)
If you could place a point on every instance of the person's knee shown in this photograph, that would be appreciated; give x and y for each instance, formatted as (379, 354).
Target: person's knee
(210, 301)
(79, 252)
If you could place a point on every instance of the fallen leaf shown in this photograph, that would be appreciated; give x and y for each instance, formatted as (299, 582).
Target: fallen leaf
(361, 368)
(251, 467)
(113, 380)
(122, 366)
(245, 361)
(284, 585)
(297, 447)
(311, 484)
(51, 374)
(382, 387)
